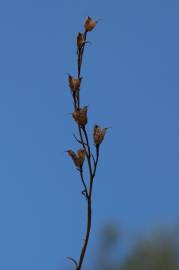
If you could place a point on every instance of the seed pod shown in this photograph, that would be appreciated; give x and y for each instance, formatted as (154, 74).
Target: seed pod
(89, 24)
(80, 40)
(73, 156)
(81, 156)
(98, 134)
(78, 158)
(74, 84)
(80, 116)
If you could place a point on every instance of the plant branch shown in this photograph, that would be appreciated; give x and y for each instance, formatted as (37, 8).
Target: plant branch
(83, 182)
(80, 142)
(84, 141)
(96, 161)
(73, 260)
(88, 157)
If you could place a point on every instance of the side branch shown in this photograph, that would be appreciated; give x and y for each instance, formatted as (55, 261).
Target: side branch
(85, 191)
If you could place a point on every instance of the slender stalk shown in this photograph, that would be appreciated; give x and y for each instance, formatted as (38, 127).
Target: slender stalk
(96, 161)
(91, 174)
(85, 191)
(88, 229)
(84, 141)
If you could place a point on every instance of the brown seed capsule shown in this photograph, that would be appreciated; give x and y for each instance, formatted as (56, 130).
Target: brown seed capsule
(73, 156)
(74, 84)
(80, 40)
(78, 158)
(80, 116)
(89, 24)
(98, 134)
(81, 157)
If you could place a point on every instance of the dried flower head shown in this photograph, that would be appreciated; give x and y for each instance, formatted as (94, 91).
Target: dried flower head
(89, 24)
(98, 134)
(73, 156)
(80, 116)
(80, 40)
(78, 158)
(81, 156)
(74, 84)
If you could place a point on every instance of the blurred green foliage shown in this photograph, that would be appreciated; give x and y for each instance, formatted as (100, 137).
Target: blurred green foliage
(156, 251)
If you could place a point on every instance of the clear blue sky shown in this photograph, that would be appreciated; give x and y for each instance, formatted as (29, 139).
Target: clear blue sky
(130, 83)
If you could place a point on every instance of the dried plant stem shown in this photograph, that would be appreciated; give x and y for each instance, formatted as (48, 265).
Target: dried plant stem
(86, 147)
(80, 117)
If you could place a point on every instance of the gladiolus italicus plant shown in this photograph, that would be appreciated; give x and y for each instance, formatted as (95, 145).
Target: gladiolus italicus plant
(84, 153)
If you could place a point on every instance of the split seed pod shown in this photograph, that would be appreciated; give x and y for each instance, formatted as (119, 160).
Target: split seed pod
(74, 84)
(80, 40)
(98, 134)
(81, 156)
(73, 156)
(80, 116)
(78, 158)
(89, 24)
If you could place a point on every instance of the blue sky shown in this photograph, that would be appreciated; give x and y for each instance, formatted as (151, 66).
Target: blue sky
(130, 83)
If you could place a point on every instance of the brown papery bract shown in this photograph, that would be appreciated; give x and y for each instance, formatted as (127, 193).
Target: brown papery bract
(80, 116)
(78, 158)
(74, 84)
(80, 40)
(90, 24)
(98, 134)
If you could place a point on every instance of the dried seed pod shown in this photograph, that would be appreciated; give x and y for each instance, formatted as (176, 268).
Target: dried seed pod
(74, 84)
(81, 156)
(80, 40)
(73, 156)
(98, 134)
(89, 24)
(78, 158)
(80, 116)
